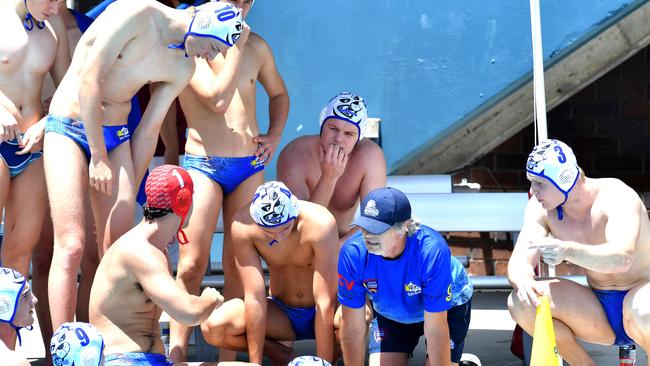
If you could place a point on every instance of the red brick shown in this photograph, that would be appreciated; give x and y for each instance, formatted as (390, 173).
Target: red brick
(501, 268)
(476, 268)
(460, 251)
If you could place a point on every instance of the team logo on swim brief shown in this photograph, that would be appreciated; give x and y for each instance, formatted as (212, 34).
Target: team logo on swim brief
(371, 209)
(412, 289)
(123, 133)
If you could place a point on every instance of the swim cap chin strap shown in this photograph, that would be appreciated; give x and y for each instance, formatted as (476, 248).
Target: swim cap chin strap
(28, 23)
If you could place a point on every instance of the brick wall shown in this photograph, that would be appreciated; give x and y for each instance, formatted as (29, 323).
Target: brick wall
(608, 126)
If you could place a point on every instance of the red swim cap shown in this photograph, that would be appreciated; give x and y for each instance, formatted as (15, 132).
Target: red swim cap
(170, 187)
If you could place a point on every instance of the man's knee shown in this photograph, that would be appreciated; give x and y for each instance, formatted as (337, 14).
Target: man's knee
(68, 252)
(518, 310)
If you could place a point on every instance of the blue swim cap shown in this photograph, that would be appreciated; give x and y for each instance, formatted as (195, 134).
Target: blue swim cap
(347, 107)
(12, 284)
(308, 361)
(273, 205)
(76, 344)
(554, 160)
(219, 20)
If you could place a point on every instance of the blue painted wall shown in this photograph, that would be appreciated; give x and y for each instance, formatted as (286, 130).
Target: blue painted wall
(422, 66)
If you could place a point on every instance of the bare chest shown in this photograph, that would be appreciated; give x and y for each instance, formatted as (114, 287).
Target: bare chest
(287, 253)
(590, 231)
(26, 54)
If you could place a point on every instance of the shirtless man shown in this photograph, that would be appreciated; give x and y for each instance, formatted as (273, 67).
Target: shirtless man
(338, 167)
(35, 43)
(16, 312)
(598, 224)
(225, 154)
(133, 283)
(129, 45)
(299, 243)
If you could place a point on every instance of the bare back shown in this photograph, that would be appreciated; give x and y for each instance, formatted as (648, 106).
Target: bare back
(119, 307)
(301, 156)
(145, 58)
(230, 134)
(25, 59)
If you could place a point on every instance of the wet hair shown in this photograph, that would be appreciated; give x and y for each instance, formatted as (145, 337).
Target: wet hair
(151, 213)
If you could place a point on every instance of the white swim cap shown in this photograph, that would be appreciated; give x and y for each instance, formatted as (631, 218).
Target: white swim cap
(219, 20)
(308, 361)
(11, 287)
(554, 160)
(347, 107)
(273, 205)
(76, 344)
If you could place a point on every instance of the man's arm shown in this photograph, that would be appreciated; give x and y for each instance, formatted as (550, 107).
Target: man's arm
(144, 141)
(114, 30)
(150, 269)
(291, 171)
(62, 61)
(270, 79)
(353, 335)
(623, 209)
(436, 332)
(217, 93)
(247, 262)
(375, 176)
(522, 263)
(325, 282)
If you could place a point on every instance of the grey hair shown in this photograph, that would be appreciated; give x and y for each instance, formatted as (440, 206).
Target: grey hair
(409, 227)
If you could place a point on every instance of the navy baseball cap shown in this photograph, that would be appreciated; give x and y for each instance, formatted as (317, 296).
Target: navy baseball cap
(381, 209)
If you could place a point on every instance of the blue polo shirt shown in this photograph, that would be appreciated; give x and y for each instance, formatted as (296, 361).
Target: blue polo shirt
(402, 288)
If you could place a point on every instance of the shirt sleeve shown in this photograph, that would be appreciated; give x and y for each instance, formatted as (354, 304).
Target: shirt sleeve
(436, 275)
(351, 292)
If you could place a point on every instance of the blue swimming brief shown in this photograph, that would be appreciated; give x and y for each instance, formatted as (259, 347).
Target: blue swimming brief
(227, 172)
(113, 135)
(136, 359)
(302, 319)
(612, 302)
(16, 163)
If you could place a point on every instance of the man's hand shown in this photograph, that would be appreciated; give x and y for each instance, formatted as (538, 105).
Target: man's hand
(9, 125)
(266, 146)
(530, 292)
(32, 140)
(333, 161)
(100, 175)
(212, 296)
(553, 251)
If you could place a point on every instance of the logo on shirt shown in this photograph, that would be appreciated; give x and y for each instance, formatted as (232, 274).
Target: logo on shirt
(412, 289)
(123, 133)
(448, 298)
(371, 209)
(343, 282)
(371, 285)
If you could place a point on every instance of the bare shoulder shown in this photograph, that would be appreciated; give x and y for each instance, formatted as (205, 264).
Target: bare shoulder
(296, 150)
(318, 223)
(367, 148)
(613, 191)
(242, 227)
(258, 44)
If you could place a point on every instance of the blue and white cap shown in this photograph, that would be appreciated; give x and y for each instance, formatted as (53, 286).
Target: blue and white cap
(12, 284)
(554, 160)
(347, 107)
(308, 361)
(273, 205)
(381, 209)
(76, 344)
(219, 20)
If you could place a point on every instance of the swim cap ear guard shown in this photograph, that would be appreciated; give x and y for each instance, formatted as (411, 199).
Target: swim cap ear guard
(273, 205)
(28, 23)
(554, 160)
(12, 284)
(171, 187)
(347, 107)
(218, 20)
(76, 344)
